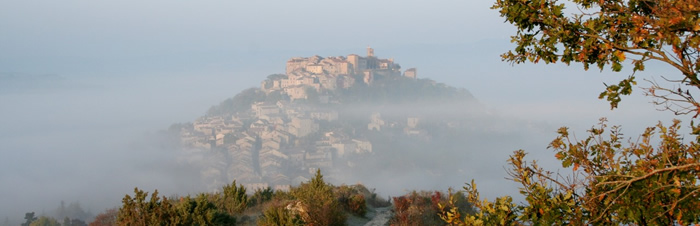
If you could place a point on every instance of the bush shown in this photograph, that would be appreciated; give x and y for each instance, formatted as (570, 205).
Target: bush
(418, 208)
(278, 214)
(106, 218)
(318, 201)
(260, 196)
(234, 199)
(357, 205)
(45, 221)
(162, 211)
(199, 211)
(351, 199)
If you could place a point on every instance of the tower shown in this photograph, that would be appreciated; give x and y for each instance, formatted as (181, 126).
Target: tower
(370, 52)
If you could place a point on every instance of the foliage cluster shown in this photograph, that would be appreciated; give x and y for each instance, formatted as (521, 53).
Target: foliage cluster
(45, 221)
(31, 220)
(398, 89)
(612, 183)
(106, 218)
(351, 200)
(313, 203)
(72, 215)
(278, 213)
(242, 101)
(233, 200)
(260, 196)
(29, 217)
(319, 204)
(423, 208)
(73, 222)
(610, 32)
(204, 209)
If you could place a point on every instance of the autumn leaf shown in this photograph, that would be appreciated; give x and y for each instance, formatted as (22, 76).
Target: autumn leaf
(559, 156)
(620, 55)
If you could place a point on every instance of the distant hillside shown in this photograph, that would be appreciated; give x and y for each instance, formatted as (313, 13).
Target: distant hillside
(389, 90)
(349, 116)
(402, 90)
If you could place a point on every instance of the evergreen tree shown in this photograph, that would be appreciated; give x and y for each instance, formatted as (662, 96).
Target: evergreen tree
(162, 211)
(199, 211)
(319, 202)
(260, 196)
(235, 199)
(30, 218)
(139, 211)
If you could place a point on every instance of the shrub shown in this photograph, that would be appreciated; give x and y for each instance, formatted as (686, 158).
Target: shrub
(235, 199)
(318, 199)
(357, 205)
(199, 211)
(260, 196)
(162, 211)
(106, 218)
(613, 184)
(278, 214)
(350, 198)
(418, 208)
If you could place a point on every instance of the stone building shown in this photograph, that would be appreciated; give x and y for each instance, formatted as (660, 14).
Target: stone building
(410, 73)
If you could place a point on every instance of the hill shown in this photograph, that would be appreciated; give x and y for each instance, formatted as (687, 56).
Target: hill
(350, 116)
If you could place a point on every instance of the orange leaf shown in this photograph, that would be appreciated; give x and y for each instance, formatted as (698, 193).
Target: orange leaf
(620, 55)
(559, 156)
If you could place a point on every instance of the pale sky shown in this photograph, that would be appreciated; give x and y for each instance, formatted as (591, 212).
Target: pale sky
(136, 67)
(161, 28)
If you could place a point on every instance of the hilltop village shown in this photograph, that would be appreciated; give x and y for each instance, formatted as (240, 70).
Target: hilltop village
(332, 73)
(281, 143)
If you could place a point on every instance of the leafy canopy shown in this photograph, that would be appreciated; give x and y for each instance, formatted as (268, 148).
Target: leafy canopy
(611, 32)
(612, 183)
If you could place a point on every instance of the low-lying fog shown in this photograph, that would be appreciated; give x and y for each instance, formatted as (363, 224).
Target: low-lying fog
(92, 139)
(87, 140)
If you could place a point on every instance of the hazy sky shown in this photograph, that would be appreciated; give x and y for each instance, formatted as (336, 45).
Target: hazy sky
(83, 79)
